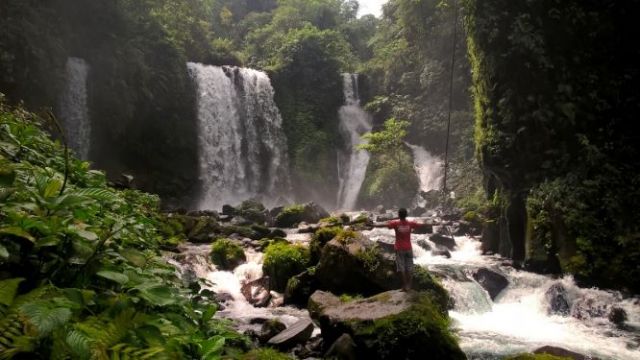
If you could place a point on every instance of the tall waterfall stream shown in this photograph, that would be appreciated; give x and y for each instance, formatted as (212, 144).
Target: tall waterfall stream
(517, 321)
(243, 149)
(74, 110)
(352, 163)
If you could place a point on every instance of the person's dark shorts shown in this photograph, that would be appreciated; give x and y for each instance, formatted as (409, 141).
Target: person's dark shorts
(404, 260)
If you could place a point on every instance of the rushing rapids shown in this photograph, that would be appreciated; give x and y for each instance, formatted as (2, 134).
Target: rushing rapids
(242, 147)
(74, 109)
(518, 320)
(352, 162)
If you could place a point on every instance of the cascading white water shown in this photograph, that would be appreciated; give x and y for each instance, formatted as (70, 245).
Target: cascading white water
(352, 163)
(242, 147)
(74, 110)
(518, 320)
(429, 169)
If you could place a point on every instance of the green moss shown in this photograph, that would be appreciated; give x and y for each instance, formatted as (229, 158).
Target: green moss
(370, 258)
(423, 281)
(403, 336)
(227, 254)
(346, 298)
(345, 237)
(537, 357)
(252, 210)
(282, 261)
(319, 239)
(331, 221)
(290, 216)
(265, 354)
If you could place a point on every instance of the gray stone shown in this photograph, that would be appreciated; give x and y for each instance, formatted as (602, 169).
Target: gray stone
(344, 348)
(442, 240)
(556, 297)
(491, 281)
(297, 333)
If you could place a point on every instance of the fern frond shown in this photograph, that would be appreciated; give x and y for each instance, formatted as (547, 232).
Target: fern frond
(125, 351)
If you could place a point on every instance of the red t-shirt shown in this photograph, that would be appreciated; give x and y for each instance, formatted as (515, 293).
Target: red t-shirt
(403, 233)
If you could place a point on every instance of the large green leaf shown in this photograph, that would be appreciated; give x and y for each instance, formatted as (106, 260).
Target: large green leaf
(120, 278)
(4, 253)
(160, 295)
(212, 348)
(18, 232)
(45, 316)
(8, 290)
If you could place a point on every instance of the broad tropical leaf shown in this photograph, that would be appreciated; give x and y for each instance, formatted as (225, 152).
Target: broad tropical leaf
(8, 290)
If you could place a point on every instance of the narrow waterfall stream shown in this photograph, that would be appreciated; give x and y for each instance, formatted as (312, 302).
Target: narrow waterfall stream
(243, 149)
(430, 171)
(74, 109)
(352, 163)
(518, 320)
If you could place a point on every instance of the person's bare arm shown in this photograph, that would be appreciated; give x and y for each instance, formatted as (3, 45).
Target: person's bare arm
(381, 225)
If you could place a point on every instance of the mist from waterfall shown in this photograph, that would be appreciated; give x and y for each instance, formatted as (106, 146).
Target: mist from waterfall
(430, 171)
(242, 147)
(74, 109)
(352, 163)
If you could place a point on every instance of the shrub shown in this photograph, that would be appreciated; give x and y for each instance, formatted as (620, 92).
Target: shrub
(282, 261)
(346, 236)
(227, 254)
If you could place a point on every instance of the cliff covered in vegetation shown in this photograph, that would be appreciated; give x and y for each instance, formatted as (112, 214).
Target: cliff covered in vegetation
(555, 87)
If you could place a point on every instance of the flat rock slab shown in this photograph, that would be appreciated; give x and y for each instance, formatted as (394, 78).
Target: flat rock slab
(295, 334)
(376, 307)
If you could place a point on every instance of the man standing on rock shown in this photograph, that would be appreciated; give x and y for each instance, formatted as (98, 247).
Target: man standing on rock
(404, 252)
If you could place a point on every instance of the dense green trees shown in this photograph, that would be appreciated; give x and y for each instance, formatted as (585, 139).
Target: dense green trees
(556, 94)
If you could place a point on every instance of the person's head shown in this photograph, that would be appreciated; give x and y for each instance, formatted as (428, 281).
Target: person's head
(402, 213)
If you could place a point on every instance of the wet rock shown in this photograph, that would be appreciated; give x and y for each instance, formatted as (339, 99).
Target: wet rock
(344, 348)
(273, 214)
(277, 233)
(299, 288)
(617, 316)
(312, 349)
(304, 228)
(442, 240)
(240, 221)
(298, 333)
(310, 213)
(441, 252)
(385, 217)
(257, 292)
(587, 308)
(387, 247)
(424, 244)
(254, 211)
(557, 351)
(424, 229)
(258, 320)
(390, 325)
(228, 210)
(556, 297)
(361, 266)
(491, 281)
(270, 328)
(223, 297)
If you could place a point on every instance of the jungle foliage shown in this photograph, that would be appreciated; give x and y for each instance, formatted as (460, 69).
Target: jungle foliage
(81, 272)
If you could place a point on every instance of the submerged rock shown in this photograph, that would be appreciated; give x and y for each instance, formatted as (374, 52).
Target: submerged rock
(390, 325)
(556, 297)
(564, 353)
(617, 316)
(491, 281)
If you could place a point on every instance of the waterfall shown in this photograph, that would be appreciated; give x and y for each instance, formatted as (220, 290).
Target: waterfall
(74, 110)
(242, 147)
(352, 163)
(429, 169)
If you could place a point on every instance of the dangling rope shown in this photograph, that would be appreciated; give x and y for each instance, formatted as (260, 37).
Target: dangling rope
(453, 63)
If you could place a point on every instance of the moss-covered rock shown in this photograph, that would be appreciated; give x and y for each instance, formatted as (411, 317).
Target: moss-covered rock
(265, 354)
(537, 357)
(253, 210)
(359, 265)
(319, 240)
(282, 261)
(300, 287)
(390, 325)
(226, 254)
(294, 214)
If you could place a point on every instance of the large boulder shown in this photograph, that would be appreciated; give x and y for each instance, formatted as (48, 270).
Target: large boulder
(491, 281)
(390, 325)
(257, 292)
(297, 333)
(556, 297)
(352, 263)
(282, 261)
(310, 213)
(227, 254)
(562, 353)
(445, 241)
(300, 287)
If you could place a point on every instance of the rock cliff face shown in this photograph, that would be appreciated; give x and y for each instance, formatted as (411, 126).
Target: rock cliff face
(554, 135)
